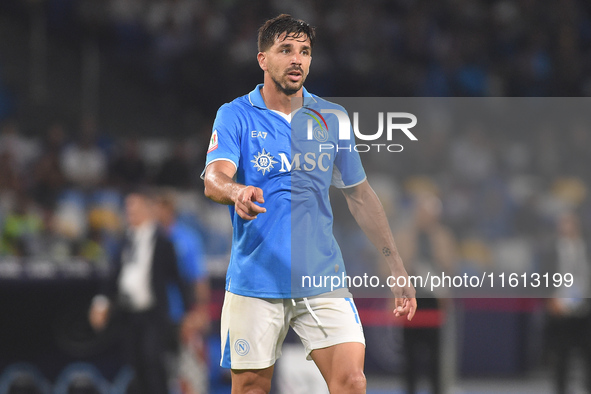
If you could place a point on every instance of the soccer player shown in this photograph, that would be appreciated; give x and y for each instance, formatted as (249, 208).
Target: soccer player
(276, 183)
(191, 370)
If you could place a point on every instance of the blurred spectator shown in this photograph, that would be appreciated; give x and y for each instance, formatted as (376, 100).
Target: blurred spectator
(70, 220)
(22, 150)
(176, 170)
(472, 158)
(9, 176)
(105, 221)
(22, 229)
(426, 246)
(494, 209)
(6, 98)
(548, 155)
(125, 21)
(570, 309)
(84, 164)
(577, 160)
(54, 246)
(137, 291)
(89, 127)
(128, 167)
(179, 13)
(192, 368)
(55, 140)
(48, 179)
(91, 248)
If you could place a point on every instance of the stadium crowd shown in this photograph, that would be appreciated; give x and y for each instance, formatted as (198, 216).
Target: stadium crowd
(384, 48)
(62, 195)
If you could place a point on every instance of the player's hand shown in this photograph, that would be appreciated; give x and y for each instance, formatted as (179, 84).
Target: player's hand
(245, 202)
(405, 307)
(405, 303)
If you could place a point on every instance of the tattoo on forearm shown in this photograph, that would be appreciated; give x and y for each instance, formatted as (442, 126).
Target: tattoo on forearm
(386, 251)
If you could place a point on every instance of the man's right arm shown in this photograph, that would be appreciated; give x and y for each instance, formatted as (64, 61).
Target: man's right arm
(221, 187)
(101, 305)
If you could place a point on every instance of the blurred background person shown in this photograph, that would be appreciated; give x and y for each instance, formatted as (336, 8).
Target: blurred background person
(570, 308)
(137, 294)
(176, 169)
(192, 360)
(22, 229)
(127, 166)
(9, 176)
(426, 246)
(84, 163)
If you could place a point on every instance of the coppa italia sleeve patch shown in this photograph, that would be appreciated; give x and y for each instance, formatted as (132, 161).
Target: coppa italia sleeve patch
(213, 142)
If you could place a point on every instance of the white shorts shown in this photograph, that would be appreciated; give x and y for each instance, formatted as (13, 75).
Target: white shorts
(253, 329)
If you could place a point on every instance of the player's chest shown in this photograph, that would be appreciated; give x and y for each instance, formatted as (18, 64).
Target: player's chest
(275, 148)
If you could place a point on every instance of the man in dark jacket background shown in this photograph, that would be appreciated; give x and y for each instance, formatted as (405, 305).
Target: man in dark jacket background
(136, 293)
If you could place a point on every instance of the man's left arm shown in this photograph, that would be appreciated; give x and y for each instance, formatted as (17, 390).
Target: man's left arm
(369, 213)
(174, 275)
(196, 319)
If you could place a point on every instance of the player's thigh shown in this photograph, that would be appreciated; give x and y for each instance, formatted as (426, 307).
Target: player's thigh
(252, 330)
(325, 322)
(339, 363)
(257, 381)
(332, 334)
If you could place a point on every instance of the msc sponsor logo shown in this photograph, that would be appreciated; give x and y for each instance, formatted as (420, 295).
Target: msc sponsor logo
(310, 162)
(264, 161)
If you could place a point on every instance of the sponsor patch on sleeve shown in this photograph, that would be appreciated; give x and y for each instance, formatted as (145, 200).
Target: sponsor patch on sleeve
(213, 142)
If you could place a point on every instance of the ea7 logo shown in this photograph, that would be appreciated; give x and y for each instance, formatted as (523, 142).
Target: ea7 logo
(258, 134)
(345, 125)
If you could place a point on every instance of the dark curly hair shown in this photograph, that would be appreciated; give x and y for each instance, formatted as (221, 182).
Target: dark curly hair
(284, 23)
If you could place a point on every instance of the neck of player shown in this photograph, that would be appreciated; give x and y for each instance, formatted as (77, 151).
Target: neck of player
(276, 99)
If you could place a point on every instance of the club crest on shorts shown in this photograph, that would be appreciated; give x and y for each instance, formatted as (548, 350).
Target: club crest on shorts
(241, 347)
(263, 161)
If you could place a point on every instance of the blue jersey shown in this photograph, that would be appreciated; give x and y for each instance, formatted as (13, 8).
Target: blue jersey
(191, 263)
(294, 163)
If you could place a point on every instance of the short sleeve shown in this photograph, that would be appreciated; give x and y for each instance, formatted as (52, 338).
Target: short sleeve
(225, 137)
(348, 170)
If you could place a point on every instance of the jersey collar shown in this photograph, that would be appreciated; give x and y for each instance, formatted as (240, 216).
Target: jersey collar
(256, 99)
